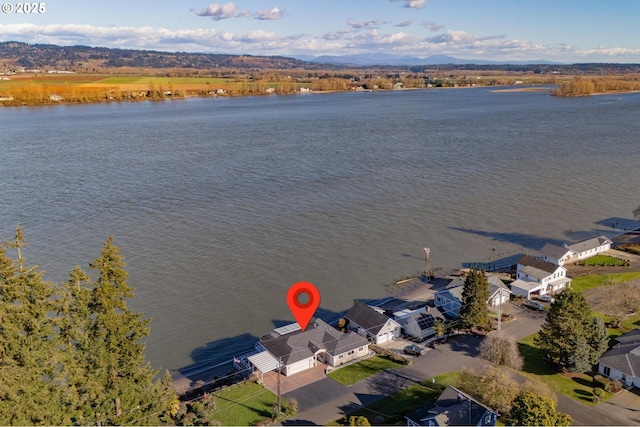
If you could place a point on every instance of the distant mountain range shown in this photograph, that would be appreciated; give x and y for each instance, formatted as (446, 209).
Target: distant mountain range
(372, 59)
(20, 55)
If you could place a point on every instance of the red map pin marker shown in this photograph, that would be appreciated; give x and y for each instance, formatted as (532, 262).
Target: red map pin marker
(303, 312)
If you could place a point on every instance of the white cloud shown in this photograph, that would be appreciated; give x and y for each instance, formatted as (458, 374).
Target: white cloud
(219, 11)
(363, 24)
(432, 26)
(413, 4)
(406, 23)
(270, 14)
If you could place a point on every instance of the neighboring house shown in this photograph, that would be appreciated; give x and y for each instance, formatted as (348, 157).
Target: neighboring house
(558, 255)
(622, 362)
(499, 293)
(550, 277)
(371, 323)
(417, 323)
(453, 408)
(591, 247)
(296, 350)
(450, 298)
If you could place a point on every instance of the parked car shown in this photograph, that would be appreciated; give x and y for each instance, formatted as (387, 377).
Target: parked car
(545, 298)
(534, 305)
(414, 350)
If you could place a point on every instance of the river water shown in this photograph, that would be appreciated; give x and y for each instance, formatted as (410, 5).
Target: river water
(219, 205)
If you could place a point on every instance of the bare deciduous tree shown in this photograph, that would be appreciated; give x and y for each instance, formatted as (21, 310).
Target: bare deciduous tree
(620, 299)
(501, 351)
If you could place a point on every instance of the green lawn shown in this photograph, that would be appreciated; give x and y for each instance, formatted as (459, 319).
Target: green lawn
(358, 371)
(583, 283)
(391, 410)
(576, 386)
(243, 405)
(604, 260)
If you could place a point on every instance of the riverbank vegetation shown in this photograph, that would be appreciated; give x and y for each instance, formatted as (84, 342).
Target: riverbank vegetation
(582, 86)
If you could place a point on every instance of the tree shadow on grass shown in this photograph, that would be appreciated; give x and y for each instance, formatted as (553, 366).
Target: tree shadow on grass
(583, 381)
(533, 361)
(583, 395)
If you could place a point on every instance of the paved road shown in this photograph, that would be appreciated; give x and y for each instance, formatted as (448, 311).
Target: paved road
(326, 400)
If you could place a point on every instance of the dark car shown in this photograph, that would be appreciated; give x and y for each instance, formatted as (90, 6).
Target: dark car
(414, 350)
(534, 305)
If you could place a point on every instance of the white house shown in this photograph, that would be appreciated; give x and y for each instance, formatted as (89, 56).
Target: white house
(558, 255)
(622, 362)
(450, 298)
(370, 323)
(499, 293)
(591, 247)
(551, 278)
(297, 350)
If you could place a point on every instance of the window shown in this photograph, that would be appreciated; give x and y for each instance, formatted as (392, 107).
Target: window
(351, 352)
(361, 348)
(341, 356)
(607, 371)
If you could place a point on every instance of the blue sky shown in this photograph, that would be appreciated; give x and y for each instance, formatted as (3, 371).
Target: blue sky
(502, 30)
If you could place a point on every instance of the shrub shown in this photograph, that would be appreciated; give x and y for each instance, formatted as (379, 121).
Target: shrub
(599, 392)
(602, 382)
(614, 386)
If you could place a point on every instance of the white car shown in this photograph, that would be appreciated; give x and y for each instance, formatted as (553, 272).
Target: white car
(545, 298)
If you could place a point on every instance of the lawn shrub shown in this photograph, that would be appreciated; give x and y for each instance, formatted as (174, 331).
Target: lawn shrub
(615, 386)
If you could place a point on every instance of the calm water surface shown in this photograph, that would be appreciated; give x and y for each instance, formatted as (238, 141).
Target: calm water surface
(220, 205)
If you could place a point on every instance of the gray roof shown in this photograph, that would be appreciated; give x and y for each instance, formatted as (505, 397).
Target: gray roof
(299, 345)
(453, 408)
(588, 244)
(555, 251)
(537, 263)
(367, 317)
(495, 284)
(632, 336)
(623, 357)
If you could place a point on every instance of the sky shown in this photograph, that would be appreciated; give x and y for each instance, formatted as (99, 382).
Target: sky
(564, 31)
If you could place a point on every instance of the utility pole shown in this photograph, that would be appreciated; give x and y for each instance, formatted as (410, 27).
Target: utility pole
(278, 383)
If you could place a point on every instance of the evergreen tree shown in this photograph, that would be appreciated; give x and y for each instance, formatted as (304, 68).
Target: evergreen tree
(475, 293)
(72, 354)
(28, 362)
(125, 390)
(529, 409)
(571, 334)
(579, 360)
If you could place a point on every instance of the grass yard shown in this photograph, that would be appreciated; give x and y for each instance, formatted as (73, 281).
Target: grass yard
(352, 374)
(576, 386)
(243, 405)
(604, 260)
(583, 283)
(392, 409)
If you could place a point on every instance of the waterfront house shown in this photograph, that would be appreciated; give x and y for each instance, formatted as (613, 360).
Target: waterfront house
(372, 324)
(622, 362)
(453, 408)
(449, 300)
(544, 277)
(418, 323)
(558, 255)
(296, 350)
(591, 247)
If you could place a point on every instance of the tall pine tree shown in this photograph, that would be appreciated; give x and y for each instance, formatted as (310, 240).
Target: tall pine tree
(475, 293)
(572, 337)
(73, 354)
